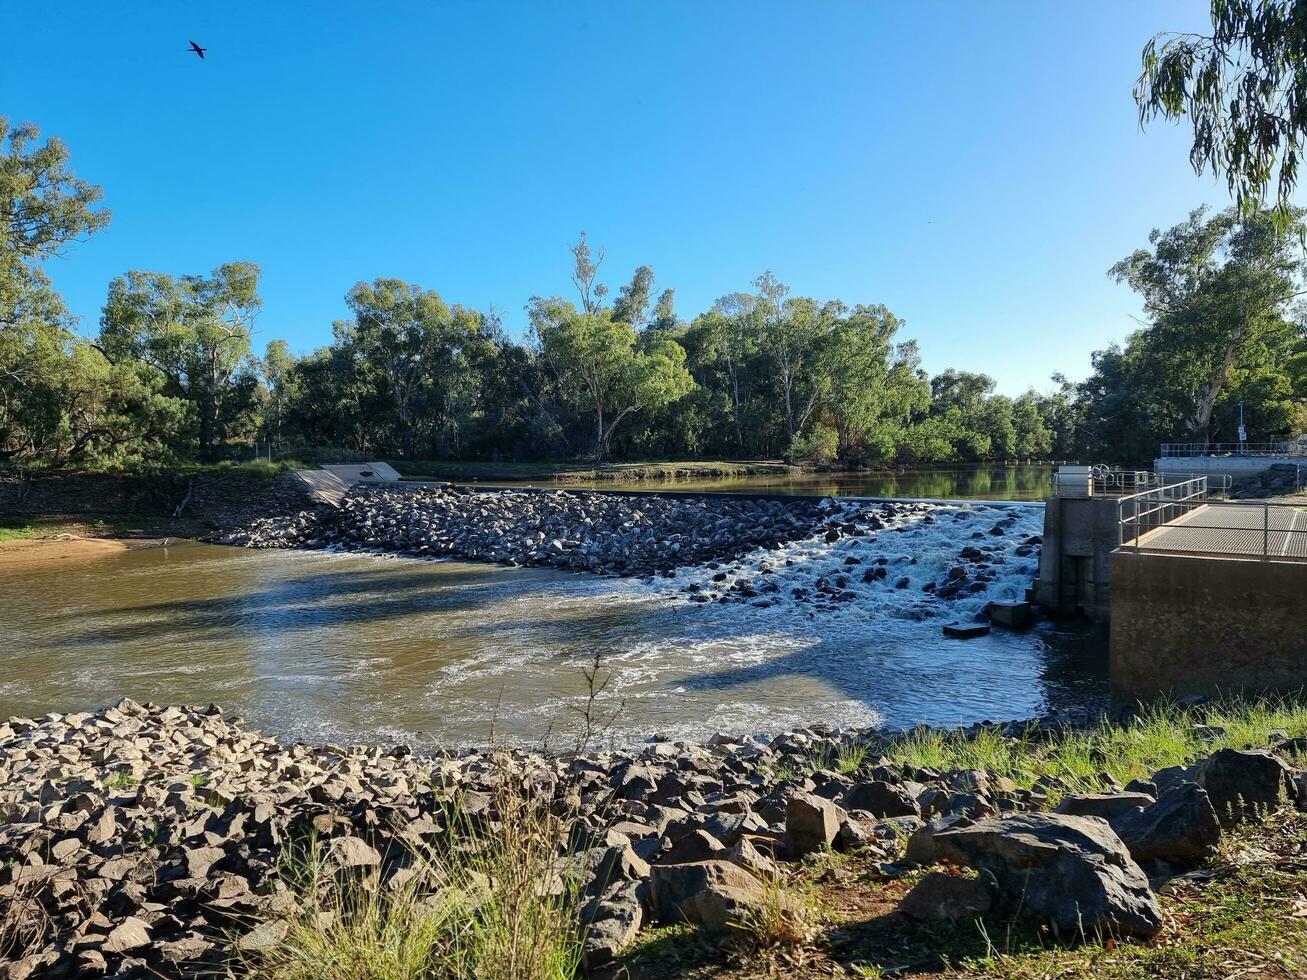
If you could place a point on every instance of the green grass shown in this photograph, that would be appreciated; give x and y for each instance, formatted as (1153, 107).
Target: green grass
(17, 529)
(485, 902)
(1161, 736)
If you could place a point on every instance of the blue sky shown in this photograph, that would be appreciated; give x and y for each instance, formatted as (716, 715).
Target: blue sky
(976, 167)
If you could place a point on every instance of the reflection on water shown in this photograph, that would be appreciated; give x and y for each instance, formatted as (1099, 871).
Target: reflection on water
(360, 648)
(1033, 481)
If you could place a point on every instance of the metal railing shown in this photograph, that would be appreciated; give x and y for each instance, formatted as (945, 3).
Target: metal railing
(1109, 482)
(1173, 450)
(1182, 519)
(1140, 513)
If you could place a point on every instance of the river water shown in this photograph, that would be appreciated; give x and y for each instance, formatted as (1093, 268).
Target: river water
(1031, 481)
(357, 647)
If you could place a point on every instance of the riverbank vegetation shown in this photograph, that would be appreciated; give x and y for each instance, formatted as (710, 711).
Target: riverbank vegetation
(505, 864)
(172, 374)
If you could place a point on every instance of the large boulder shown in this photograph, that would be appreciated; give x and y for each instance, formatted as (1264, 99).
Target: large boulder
(1181, 828)
(921, 848)
(1074, 873)
(811, 824)
(880, 799)
(674, 885)
(1242, 784)
(1105, 805)
(612, 922)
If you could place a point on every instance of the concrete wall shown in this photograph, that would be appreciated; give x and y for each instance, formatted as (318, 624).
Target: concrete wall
(1235, 467)
(1206, 626)
(1075, 562)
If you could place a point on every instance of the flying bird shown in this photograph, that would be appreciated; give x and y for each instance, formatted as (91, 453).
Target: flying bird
(198, 50)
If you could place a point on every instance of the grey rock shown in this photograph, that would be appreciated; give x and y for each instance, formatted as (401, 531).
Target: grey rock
(1105, 805)
(1181, 828)
(811, 824)
(1074, 873)
(880, 799)
(1242, 784)
(674, 884)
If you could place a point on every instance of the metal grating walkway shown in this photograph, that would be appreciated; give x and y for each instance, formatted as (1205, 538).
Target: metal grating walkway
(1231, 529)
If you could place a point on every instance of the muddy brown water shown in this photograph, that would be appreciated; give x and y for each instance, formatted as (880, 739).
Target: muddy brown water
(356, 647)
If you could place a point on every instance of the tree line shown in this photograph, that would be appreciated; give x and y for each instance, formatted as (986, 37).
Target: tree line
(172, 372)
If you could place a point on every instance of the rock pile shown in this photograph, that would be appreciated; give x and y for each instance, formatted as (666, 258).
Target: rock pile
(138, 840)
(726, 547)
(1275, 481)
(571, 529)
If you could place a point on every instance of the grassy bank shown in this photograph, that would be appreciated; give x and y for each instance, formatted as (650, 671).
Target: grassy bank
(837, 915)
(582, 472)
(1242, 917)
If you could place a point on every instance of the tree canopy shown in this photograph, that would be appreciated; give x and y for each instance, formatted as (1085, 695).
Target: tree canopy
(1244, 89)
(765, 372)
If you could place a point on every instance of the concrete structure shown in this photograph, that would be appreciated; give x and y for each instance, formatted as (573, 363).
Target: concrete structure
(330, 484)
(1201, 625)
(1075, 562)
(1235, 467)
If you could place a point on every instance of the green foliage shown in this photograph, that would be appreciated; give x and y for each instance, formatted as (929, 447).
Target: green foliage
(1244, 89)
(1162, 736)
(601, 370)
(1218, 292)
(818, 446)
(762, 375)
(195, 332)
(481, 904)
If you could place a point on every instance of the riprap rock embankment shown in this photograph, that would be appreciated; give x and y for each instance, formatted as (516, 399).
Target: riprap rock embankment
(141, 840)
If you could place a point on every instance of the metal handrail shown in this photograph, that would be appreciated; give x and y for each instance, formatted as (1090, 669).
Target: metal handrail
(1109, 482)
(1267, 530)
(1172, 450)
(1163, 500)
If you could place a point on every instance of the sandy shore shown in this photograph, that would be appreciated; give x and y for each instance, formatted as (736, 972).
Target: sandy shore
(35, 551)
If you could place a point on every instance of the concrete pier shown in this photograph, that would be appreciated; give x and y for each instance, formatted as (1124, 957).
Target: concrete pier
(1075, 562)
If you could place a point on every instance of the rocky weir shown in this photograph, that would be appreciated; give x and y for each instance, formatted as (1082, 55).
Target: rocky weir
(145, 841)
(760, 551)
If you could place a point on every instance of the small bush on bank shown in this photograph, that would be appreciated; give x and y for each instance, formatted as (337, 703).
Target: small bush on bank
(818, 447)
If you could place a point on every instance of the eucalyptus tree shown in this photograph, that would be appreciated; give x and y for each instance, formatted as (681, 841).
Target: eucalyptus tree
(1244, 89)
(1218, 290)
(407, 343)
(194, 330)
(44, 366)
(791, 332)
(585, 270)
(632, 303)
(727, 337)
(873, 388)
(601, 370)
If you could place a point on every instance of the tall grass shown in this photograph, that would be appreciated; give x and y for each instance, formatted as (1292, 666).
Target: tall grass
(488, 901)
(1160, 736)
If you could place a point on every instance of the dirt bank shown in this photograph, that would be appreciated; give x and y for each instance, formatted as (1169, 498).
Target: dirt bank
(33, 551)
(140, 507)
